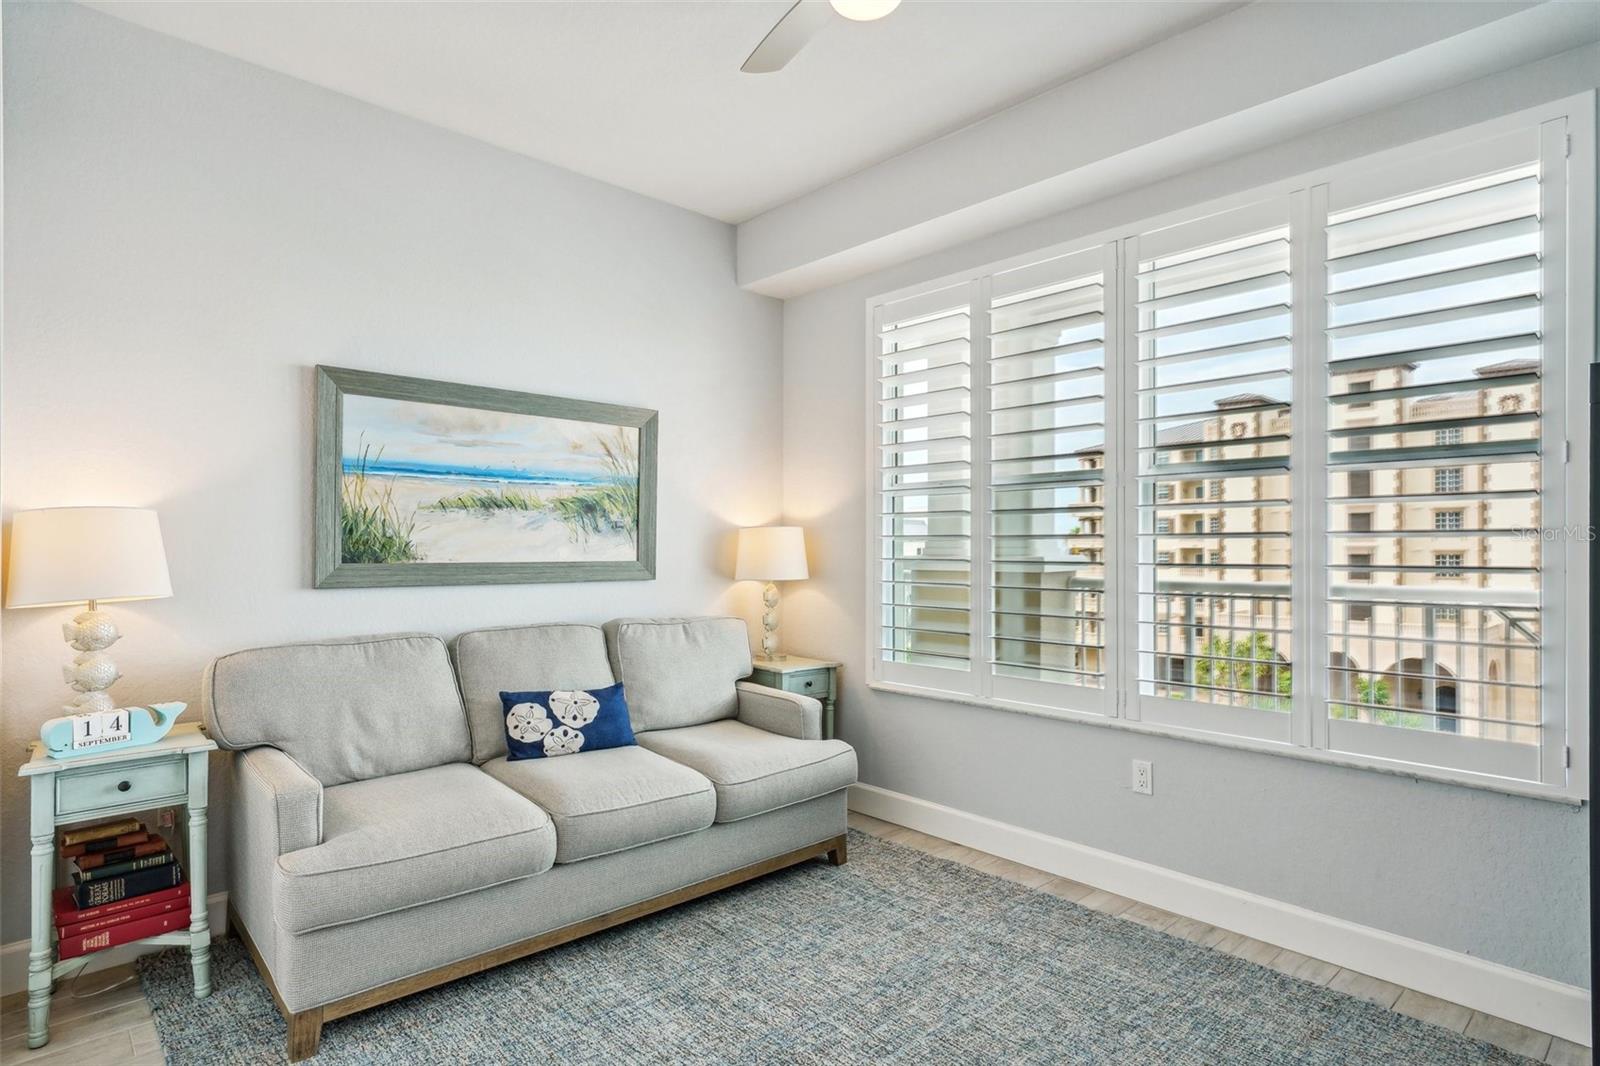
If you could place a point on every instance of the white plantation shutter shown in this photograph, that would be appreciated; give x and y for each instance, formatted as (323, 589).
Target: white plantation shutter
(1292, 468)
(1436, 276)
(1047, 401)
(1213, 425)
(924, 482)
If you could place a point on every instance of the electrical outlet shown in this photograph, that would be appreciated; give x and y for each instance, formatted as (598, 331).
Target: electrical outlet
(166, 818)
(1143, 778)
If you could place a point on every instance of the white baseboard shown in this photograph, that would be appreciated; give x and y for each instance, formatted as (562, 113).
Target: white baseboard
(1538, 1002)
(14, 956)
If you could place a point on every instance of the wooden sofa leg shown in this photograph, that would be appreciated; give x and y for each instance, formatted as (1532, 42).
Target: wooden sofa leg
(305, 1033)
(837, 854)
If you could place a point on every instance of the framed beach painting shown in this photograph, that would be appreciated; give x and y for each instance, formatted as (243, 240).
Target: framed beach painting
(430, 483)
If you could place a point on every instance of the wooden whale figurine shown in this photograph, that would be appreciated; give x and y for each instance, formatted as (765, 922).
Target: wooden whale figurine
(146, 725)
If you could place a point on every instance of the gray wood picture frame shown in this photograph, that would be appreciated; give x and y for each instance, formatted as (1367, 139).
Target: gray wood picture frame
(334, 383)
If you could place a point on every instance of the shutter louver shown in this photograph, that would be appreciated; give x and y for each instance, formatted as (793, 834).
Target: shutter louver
(925, 480)
(1434, 412)
(1047, 471)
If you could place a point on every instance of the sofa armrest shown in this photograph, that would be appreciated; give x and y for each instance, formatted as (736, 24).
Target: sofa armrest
(788, 714)
(280, 802)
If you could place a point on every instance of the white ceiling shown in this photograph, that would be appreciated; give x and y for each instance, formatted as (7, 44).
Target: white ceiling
(648, 95)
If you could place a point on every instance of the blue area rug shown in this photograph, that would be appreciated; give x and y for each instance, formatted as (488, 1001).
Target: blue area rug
(897, 957)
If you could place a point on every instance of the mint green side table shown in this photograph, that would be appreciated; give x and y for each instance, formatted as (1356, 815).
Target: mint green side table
(172, 772)
(810, 677)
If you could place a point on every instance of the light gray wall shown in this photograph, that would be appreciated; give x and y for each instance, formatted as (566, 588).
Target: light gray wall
(1491, 875)
(187, 235)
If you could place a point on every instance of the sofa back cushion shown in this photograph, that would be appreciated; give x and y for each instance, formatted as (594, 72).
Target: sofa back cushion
(346, 710)
(679, 671)
(522, 659)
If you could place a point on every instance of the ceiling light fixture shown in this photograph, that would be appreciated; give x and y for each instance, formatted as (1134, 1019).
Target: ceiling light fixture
(802, 21)
(864, 10)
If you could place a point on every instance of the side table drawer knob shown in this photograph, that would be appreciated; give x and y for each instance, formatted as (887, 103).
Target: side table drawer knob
(123, 786)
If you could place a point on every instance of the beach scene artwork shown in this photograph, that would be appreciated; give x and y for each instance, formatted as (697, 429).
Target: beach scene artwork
(439, 483)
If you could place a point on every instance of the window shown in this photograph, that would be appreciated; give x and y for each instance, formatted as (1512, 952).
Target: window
(1047, 475)
(924, 429)
(1214, 321)
(1437, 274)
(1261, 469)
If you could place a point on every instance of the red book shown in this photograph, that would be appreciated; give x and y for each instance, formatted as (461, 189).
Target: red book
(73, 946)
(180, 903)
(69, 913)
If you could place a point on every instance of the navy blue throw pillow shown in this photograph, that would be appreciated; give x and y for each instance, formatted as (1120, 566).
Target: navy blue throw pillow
(540, 725)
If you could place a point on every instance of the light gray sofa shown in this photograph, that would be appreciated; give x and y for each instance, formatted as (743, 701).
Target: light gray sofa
(382, 843)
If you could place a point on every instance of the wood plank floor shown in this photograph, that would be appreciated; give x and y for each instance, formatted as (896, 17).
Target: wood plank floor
(115, 1027)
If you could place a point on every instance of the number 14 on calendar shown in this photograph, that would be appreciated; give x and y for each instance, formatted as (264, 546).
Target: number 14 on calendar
(100, 727)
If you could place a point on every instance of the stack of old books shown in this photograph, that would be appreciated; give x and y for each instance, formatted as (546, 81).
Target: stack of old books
(126, 885)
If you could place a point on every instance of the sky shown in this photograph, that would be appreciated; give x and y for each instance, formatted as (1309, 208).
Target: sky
(468, 438)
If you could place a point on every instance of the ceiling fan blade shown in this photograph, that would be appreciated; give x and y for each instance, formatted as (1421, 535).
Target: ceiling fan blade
(784, 41)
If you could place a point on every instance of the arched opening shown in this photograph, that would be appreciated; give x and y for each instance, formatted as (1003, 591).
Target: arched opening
(1412, 685)
(1342, 677)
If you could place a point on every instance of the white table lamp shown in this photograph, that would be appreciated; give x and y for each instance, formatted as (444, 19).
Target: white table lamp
(91, 555)
(771, 554)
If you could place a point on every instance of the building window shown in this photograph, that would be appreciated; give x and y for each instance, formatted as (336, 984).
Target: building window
(1448, 436)
(1447, 479)
(1214, 524)
(1447, 564)
(1358, 562)
(1360, 386)
(1447, 521)
(1361, 521)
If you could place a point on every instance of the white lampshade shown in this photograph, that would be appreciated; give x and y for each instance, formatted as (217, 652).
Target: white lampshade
(65, 555)
(771, 553)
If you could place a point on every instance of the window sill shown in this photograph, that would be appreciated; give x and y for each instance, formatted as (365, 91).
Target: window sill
(1569, 796)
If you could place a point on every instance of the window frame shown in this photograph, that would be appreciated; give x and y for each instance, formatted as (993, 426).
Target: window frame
(1569, 333)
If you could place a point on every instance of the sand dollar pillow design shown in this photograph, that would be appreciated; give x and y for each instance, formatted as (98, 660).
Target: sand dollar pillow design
(543, 725)
(527, 722)
(575, 709)
(563, 740)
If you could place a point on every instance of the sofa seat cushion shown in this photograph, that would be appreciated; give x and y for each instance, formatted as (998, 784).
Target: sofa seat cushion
(611, 800)
(401, 841)
(755, 771)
